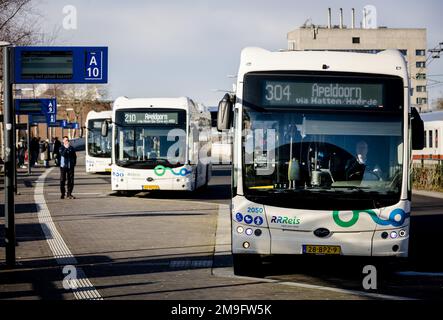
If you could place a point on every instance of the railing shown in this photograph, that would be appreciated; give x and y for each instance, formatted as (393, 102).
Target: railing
(428, 175)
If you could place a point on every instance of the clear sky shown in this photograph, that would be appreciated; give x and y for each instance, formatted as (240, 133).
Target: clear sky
(189, 47)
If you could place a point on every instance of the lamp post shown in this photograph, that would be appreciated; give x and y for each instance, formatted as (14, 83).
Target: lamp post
(69, 120)
(10, 161)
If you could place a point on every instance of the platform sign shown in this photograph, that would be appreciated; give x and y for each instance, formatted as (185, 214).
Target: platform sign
(60, 65)
(58, 124)
(35, 106)
(38, 118)
(72, 125)
(42, 118)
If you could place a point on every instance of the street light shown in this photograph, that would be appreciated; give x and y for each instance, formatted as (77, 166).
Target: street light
(69, 119)
(3, 44)
(9, 155)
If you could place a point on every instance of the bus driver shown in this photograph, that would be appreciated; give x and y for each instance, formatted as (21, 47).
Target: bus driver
(360, 167)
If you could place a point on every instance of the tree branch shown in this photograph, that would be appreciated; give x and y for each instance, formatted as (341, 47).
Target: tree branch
(20, 7)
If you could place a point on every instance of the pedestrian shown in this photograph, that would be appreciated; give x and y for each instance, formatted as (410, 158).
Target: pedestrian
(42, 149)
(56, 151)
(46, 153)
(68, 161)
(21, 150)
(33, 149)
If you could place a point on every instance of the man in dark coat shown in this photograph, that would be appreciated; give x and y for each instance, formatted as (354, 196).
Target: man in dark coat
(68, 160)
(56, 151)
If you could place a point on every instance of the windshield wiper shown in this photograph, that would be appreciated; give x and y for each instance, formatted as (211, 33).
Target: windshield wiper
(350, 187)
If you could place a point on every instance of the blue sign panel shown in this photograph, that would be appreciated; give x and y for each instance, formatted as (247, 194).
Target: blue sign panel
(60, 65)
(52, 118)
(42, 118)
(72, 125)
(58, 124)
(36, 106)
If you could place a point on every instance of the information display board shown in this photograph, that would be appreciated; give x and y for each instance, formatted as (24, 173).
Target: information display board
(60, 65)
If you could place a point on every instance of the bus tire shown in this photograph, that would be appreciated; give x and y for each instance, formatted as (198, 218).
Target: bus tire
(196, 179)
(247, 265)
(205, 186)
(126, 193)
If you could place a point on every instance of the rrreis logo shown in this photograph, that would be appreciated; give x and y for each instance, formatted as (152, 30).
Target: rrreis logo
(285, 220)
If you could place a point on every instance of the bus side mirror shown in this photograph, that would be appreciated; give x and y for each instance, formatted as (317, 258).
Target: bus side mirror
(224, 116)
(417, 130)
(105, 129)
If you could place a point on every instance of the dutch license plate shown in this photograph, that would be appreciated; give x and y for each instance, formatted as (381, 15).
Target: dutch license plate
(321, 250)
(108, 170)
(151, 188)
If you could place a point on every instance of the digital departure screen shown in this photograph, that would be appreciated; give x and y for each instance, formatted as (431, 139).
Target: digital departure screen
(322, 94)
(31, 107)
(96, 124)
(158, 118)
(47, 65)
(311, 90)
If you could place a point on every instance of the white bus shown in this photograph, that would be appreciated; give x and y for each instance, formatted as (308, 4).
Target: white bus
(98, 148)
(221, 141)
(160, 144)
(321, 155)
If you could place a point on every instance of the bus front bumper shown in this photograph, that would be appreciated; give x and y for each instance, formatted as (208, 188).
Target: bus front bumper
(247, 240)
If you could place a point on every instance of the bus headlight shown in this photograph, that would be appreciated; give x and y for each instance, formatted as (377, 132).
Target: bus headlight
(393, 235)
(240, 229)
(249, 232)
(402, 233)
(246, 245)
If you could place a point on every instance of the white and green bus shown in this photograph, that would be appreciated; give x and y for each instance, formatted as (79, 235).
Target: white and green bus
(98, 147)
(321, 154)
(160, 144)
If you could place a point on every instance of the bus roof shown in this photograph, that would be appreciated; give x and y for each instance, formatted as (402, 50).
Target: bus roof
(99, 115)
(178, 103)
(389, 62)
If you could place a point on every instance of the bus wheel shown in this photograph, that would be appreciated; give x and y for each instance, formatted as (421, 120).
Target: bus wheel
(206, 185)
(247, 265)
(126, 193)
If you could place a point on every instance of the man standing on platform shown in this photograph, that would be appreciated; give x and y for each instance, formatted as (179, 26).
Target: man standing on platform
(68, 160)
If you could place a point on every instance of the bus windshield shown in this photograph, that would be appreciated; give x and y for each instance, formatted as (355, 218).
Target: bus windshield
(146, 139)
(321, 159)
(98, 146)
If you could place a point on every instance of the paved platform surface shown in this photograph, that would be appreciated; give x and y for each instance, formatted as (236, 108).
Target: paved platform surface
(176, 246)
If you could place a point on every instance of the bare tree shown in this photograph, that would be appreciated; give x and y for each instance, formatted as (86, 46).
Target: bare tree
(18, 22)
(81, 99)
(20, 25)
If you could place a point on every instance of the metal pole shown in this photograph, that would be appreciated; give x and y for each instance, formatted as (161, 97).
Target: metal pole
(14, 132)
(28, 142)
(8, 110)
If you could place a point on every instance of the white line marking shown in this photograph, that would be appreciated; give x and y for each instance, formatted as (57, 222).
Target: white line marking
(223, 247)
(84, 289)
(176, 264)
(419, 274)
(81, 194)
(323, 288)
